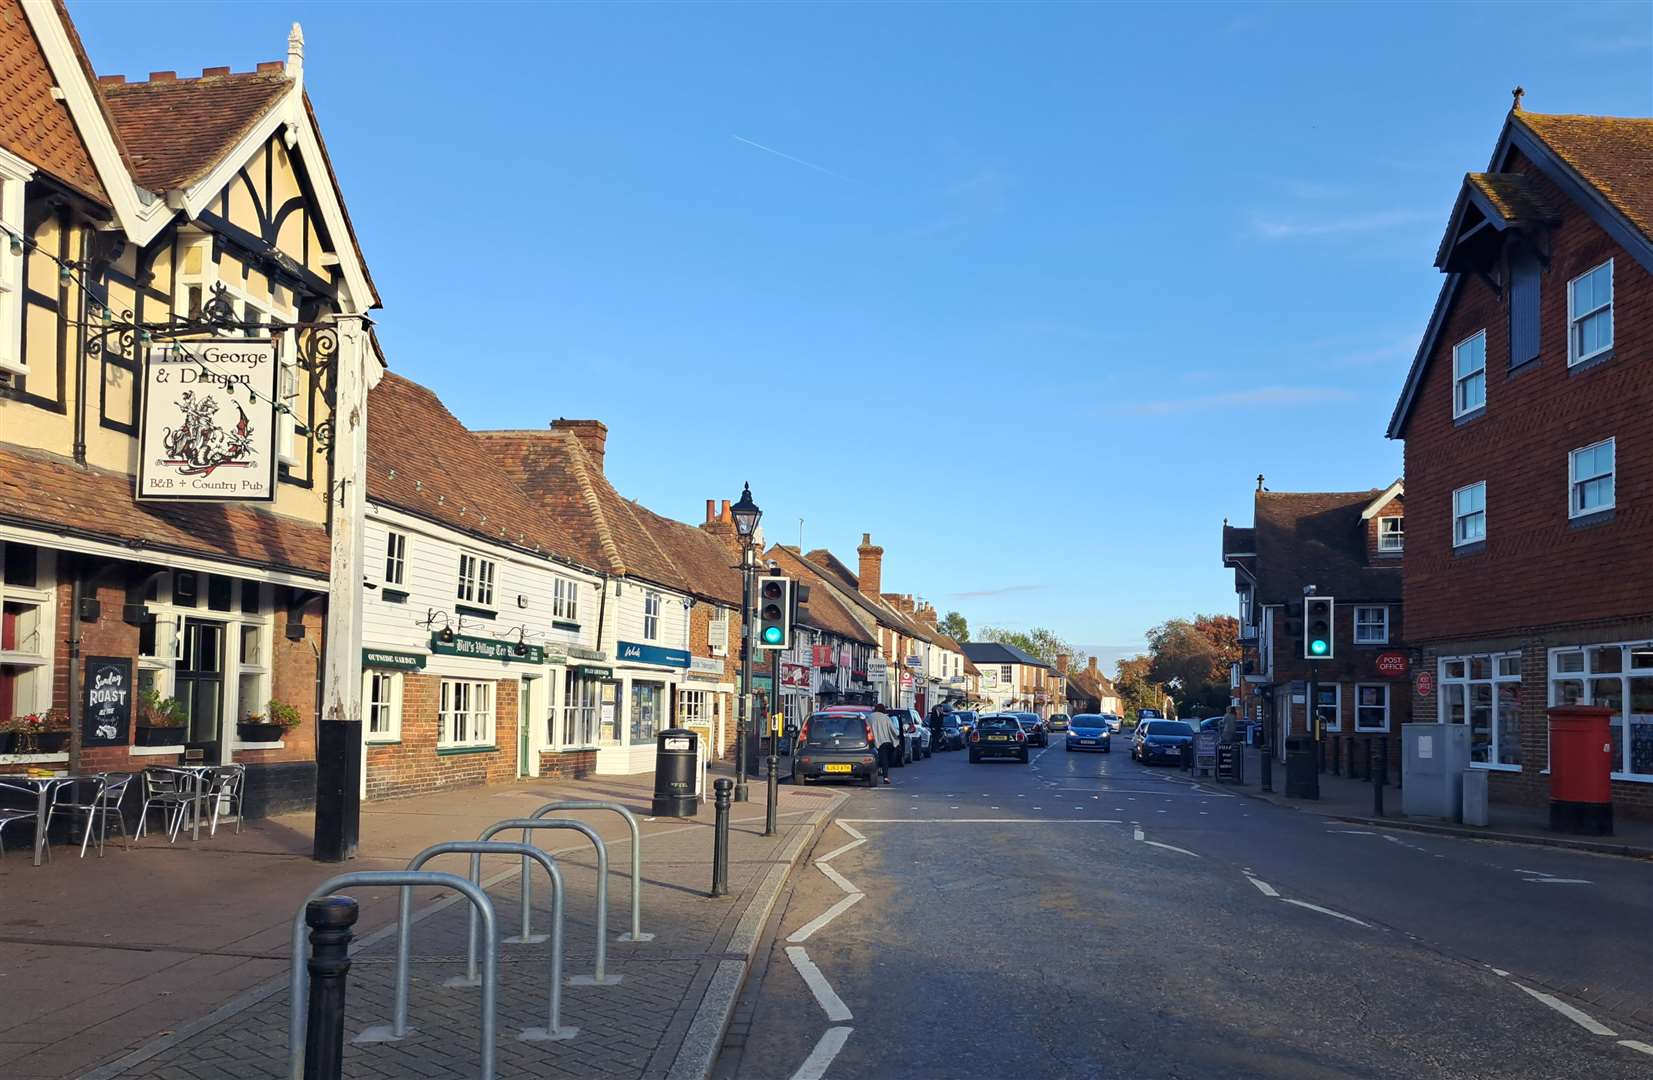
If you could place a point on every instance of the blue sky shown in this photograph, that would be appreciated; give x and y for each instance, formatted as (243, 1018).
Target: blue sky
(1044, 288)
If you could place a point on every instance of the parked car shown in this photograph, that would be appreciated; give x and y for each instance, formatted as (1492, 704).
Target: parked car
(1161, 740)
(1115, 723)
(1035, 728)
(836, 745)
(966, 720)
(1057, 722)
(1089, 731)
(915, 733)
(998, 735)
(945, 733)
(903, 752)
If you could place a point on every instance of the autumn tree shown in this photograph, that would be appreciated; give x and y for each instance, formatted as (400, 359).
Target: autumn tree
(1191, 658)
(1137, 689)
(955, 626)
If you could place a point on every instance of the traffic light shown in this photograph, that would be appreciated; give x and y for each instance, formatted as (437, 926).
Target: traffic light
(1318, 623)
(774, 613)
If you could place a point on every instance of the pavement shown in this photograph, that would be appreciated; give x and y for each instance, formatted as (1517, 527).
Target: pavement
(1086, 916)
(171, 961)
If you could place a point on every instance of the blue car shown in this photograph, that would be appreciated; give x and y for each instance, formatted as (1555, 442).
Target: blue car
(1161, 740)
(1089, 731)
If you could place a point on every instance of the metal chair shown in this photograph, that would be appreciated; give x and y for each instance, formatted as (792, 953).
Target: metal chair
(171, 790)
(9, 814)
(106, 792)
(224, 787)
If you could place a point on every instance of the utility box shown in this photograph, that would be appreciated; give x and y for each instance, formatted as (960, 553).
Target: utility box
(1474, 783)
(1436, 757)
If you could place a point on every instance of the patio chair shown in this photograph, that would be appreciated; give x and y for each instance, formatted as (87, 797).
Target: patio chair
(170, 791)
(97, 798)
(9, 814)
(224, 786)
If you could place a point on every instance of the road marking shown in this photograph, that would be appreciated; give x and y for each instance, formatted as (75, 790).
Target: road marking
(1500, 972)
(820, 1058)
(1558, 881)
(804, 932)
(1262, 886)
(835, 852)
(1326, 911)
(1139, 834)
(830, 1002)
(986, 821)
(1353, 832)
(1583, 1020)
(852, 832)
(1169, 847)
(837, 879)
(1634, 1045)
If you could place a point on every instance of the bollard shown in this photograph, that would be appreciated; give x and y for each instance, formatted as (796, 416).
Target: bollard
(720, 836)
(1265, 769)
(774, 795)
(1379, 768)
(636, 932)
(330, 919)
(599, 977)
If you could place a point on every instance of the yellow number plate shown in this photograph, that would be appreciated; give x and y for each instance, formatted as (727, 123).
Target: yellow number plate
(998, 738)
(839, 768)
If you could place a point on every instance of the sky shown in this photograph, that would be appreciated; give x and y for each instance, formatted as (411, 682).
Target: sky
(1031, 293)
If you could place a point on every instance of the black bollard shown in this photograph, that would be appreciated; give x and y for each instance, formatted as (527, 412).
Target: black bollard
(330, 919)
(1380, 772)
(1337, 758)
(722, 795)
(769, 826)
(1265, 769)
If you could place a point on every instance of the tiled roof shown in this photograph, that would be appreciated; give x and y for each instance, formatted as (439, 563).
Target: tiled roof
(1239, 541)
(34, 125)
(421, 459)
(176, 130)
(704, 563)
(1515, 197)
(997, 652)
(1614, 155)
(849, 586)
(1318, 538)
(48, 492)
(827, 611)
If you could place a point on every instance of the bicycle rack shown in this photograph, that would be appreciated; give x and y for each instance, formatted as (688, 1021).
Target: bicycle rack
(299, 979)
(599, 976)
(636, 933)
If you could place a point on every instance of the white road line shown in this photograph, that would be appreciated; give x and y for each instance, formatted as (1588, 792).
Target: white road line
(803, 932)
(845, 826)
(835, 852)
(1634, 1045)
(1169, 847)
(1583, 1020)
(830, 1002)
(816, 1064)
(1327, 911)
(1557, 881)
(1353, 832)
(987, 821)
(1500, 972)
(1139, 834)
(1262, 886)
(837, 879)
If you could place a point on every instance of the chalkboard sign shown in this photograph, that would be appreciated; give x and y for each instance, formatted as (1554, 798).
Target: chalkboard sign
(106, 701)
(1205, 750)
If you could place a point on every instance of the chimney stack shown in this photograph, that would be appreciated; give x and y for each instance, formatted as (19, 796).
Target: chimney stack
(593, 435)
(1061, 663)
(1092, 667)
(711, 511)
(721, 524)
(872, 566)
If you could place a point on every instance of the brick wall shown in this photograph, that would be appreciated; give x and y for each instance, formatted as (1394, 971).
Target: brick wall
(1537, 569)
(568, 764)
(414, 765)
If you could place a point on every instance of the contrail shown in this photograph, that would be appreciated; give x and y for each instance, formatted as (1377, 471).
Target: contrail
(794, 160)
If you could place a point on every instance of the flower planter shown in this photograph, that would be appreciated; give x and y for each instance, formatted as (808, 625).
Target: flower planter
(51, 742)
(7, 741)
(259, 732)
(160, 736)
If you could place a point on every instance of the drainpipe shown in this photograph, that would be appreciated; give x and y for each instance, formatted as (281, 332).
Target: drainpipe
(75, 595)
(602, 613)
(80, 403)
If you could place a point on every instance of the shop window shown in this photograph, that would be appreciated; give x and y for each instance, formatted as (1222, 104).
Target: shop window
(26, 622)
(465, 714)
(647, 704)
(691, 707)
(580, 693)
(1619, 677)
(1329, 706)
(253, 680)
(1372, 707)
(382, 705)
(1485, 693)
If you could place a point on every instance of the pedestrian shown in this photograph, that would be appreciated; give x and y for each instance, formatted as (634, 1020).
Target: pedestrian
(1231, 726)
(883, 733)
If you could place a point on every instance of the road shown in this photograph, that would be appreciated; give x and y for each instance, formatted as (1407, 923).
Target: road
(1086, 916)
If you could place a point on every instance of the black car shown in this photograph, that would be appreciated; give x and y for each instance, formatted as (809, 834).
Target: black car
(946, 734)
(998, 736)
(1035, 728)
(1161, 740)
(836, 745)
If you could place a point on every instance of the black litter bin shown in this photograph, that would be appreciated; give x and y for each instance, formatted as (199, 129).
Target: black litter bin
(1302, 780)
(674, 774)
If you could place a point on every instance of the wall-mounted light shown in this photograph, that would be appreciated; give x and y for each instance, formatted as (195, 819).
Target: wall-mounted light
(522, 600)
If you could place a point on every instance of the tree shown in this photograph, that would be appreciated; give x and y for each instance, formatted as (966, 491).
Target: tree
(1191, 658)
(955, 626)
(1041, 644)
(1137, 690)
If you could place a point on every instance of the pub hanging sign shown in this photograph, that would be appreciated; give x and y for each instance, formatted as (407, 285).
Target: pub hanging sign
(208, 428)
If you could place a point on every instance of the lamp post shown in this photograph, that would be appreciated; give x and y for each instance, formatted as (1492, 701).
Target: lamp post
(746, 515)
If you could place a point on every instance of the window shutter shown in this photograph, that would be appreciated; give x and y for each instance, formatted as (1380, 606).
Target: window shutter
(1524, 323)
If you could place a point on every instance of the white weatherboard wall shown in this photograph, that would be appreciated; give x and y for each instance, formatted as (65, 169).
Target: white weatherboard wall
(626, 606)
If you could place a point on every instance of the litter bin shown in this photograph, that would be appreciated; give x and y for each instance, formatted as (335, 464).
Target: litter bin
(1581, 769)
(1301, 779)
(674, 774)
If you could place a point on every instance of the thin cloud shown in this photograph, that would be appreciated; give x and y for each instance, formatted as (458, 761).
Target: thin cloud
(1270, 227)
(1400, 349)
(794, 160)
(1263, 395)
(981, 594)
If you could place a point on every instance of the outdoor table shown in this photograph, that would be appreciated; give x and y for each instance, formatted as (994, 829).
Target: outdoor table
(199, 772)
(43, 787)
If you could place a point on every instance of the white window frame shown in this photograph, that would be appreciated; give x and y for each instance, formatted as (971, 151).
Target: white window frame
(1444, 679)
(1388, 697)
(1381, 639)
(693, 707)
(651, 615)
(1336, 723)
(1391, 539)
(1587, 678)
(389, 707)
(257, 665)
(565, 599)
(1462, 378)
(396, 552)
(465, 715)
(1574, 316)
(1458, 540)
(477, 577)
(15, 173)
(1575, 481)
(38, 659)
(717, 632)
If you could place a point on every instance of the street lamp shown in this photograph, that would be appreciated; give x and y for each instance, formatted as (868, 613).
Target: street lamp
(746, 515)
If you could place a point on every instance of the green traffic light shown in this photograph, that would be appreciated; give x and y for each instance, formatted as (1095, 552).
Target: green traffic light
(772, 635)
(1317, 647)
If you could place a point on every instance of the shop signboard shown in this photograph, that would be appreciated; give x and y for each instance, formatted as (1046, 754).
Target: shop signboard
(795, 676)
(877, 670)
(207, 432)
(580, 652)
(638, 653)
(399, 659)
(487, 649)
(1392, 665)
(106, 705)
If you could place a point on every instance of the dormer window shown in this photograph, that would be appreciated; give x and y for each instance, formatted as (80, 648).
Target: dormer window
(1469, 375)
(1391, 534)
(1590, 314)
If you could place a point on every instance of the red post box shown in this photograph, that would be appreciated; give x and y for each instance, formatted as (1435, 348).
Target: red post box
(1581, 769)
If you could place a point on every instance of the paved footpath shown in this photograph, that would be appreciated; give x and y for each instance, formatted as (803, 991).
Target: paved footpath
(171, 961)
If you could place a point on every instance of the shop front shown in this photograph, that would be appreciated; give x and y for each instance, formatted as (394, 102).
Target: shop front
(637, 705)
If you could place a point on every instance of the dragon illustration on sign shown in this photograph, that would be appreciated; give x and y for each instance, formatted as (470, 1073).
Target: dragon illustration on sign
(199, 445)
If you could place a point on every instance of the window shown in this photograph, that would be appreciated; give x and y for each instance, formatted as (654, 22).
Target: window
(1485, 693)
(396, 550)
(717, 633)
(1590, 479)
(1004, 672)
(565, 600)
(1590, 313)
(647, 711)
(579, 712)
(1469, 375)
(651, 616)
(1620, 677)
(691, 707)
(466, 716)
(1372, 707)
(1371, 626)
(1391, 533)
(13, 175)
(1330, 707)
(1469, 514)
(253, 683)
(26, 632)
(476, 580)
(382, 704)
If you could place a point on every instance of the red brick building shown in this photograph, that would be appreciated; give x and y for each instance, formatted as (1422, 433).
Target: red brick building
(1529, 456)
